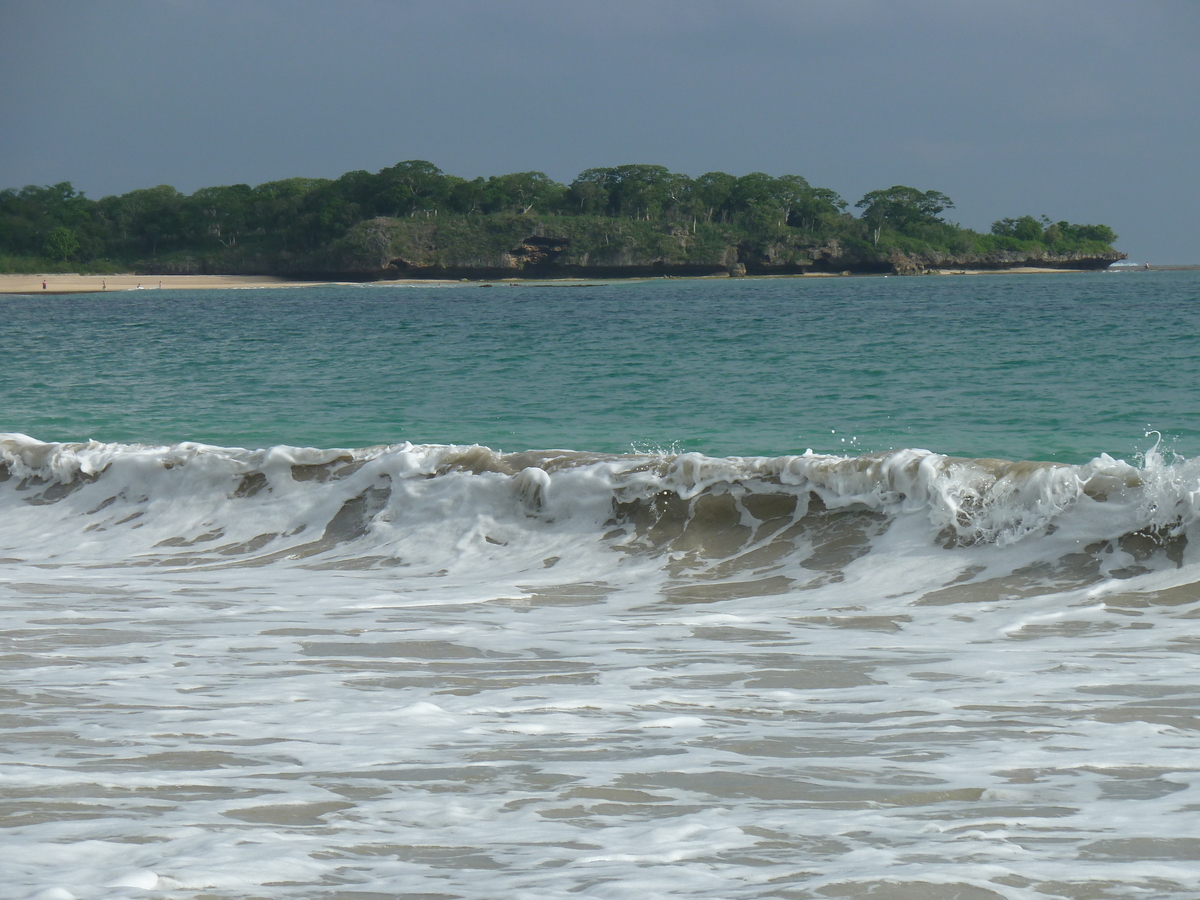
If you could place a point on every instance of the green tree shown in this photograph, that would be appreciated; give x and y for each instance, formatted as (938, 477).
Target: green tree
(757, 196)
(223, 212)
(281, 210)
(61, 243)
(521, 192)
(410, 187)
(642, 191)
(148, 216)
(589, 193)
(712, 196)
(901, 208)
(629, 191)
(786, 200)
(331, 208)
(29, 215)
(817, 210)
(1101, 233)
(466, 197)
(1026, 228)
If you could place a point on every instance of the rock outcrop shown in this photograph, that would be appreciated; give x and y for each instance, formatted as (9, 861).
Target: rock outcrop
(563, 247)
(920, 264)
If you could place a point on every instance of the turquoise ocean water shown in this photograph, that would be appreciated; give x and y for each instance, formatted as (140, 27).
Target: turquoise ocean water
(533, 592)
(1059, 367)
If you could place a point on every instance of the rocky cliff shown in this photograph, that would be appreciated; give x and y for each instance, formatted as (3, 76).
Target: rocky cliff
(562, 247)
(919, 264)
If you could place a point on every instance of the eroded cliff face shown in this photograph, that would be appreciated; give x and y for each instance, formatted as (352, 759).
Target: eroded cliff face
(526, 247)
(925, 263)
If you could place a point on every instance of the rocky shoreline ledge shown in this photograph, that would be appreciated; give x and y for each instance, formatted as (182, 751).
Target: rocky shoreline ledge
(389, 250)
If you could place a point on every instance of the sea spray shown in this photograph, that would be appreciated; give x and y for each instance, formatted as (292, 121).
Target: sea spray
(298, 491)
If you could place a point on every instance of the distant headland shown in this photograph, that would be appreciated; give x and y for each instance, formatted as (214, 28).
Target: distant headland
(412, 220)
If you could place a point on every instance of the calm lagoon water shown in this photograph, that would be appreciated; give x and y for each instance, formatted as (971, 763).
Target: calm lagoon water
(1058, 367)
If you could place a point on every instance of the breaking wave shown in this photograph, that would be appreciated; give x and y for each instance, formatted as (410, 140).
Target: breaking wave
(198, 505)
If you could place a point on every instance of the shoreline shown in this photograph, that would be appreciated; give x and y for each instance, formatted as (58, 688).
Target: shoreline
(67, 283)
(73, 283)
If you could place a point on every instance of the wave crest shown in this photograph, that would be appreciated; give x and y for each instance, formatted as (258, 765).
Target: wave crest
(384, 497)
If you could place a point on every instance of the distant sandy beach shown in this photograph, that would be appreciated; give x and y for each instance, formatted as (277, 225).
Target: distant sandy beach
(1018, 270)
(87, 284)
(80, 284)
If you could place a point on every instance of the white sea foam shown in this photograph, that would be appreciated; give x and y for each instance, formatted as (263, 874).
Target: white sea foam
(446, 671)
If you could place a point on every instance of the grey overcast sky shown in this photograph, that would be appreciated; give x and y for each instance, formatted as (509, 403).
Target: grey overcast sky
(1086, 110)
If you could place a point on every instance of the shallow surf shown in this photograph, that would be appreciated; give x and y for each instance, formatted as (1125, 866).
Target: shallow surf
(440, 670)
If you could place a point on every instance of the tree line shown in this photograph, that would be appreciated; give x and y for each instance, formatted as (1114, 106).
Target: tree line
(295, 218)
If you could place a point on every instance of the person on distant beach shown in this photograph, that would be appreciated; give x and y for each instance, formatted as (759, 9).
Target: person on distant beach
(43, 284)
(104, 284)
(160, 285)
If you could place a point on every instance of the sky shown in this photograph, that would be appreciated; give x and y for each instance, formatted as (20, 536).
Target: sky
(1084, 110)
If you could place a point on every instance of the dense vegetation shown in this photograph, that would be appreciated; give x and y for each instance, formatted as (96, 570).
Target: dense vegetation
(414, 215)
